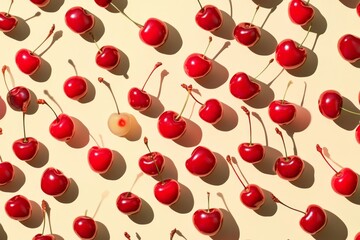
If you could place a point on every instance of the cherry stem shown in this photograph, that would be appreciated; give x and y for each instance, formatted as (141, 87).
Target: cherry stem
(271, 60)
(248, 115)
(183, 108)
(349, 111)
(307, 2)
(101, 80)
(207, 47)
(287, 88)
(5, 68)
(146, 142)
(208, 201)
(44, 207)
(158, 64)
(94, 40)
(47, 37)
(127, 235)
(11, 3)
(123, 13)
(42, 101)
(283, 141)
(132, 186)
(73, 65)
(172, 233)
(96, 142)
(275, 199)
(256, 10)
(320, 150)
(228, 159)
(201, 7)
(189, 89)
(25, 138)
(307, 34)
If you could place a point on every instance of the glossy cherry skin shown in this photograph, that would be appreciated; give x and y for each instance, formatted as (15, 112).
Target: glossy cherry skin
(208, 221)
(211, 111)
(85, 227)
(18, 98)
(128, 203)
(26, 149)
(40, 3)
(252, 196)
(27, 61)
(251, 152)
(18, 208)
(108, 57)
(167, 191)
(147, 163)
(357, 236)
(289, 168)
(75, 87)
(357, 134)
(44, 237)
(247, 34)
(209, 18)
(330, 103)
(79, 20)
(154, 32)
(100, 159)
(349, 47)
(289, 55)
(358, 13)
(62, 128)
(6, 173)
(169, 126)
(300, 13)
(202, 162)
(345, 182)
(139, 99)
(242, 87)
(54, 182)
(197, 65)
(7, 22)
(314, 220)
(103, 3)
(282, 112)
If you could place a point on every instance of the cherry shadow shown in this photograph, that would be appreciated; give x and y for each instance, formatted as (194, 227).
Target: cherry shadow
(21, 31)
(263, 98)
(266, 44)
(227, 28)
(269, 207)
(192, 136)
(120, 4)
(350, 3)
(43, 73)
(135, 131)
(334, 229)
(53, 6)
(229, 229)
(97, 31)
(155, 109)
(318, 25)
(123, 67)
(117, 169)
(16, 184)
(163, 74)
(220, 174)
(3, 234)
(71, 194)
(229, 119)
(33, 106)
(355, 198)
(170, 170)
(3, 108)
(185, 204)
(36, 217)
(41, 158)
(308, 68)
(267, 164)
(102, 232)
(307, 178)
(145, 215)
(90, 94)
(58, 237)
(81, 137)
(173, 43)
(267, 4)
(348, 121)
(300, 123)
(215, 78)
(257, 116)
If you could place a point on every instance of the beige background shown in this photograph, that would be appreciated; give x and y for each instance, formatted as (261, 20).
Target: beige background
(324, 70)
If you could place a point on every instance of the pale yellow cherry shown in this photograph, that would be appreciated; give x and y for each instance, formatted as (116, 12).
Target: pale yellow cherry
(120, 124)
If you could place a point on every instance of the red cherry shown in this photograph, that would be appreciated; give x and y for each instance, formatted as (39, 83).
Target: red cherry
(202, 162)
(208, 221)
(85, 227)
(54, 182)
(79, 20)
(103, 3)
(75, 87)
(330, 104)
(154, 32)
(26, 148)
(358, 9)
(40, 3)
(167, 191)
(151, 163)
(246, 33)
(357, 134)
(108, 57)
(138, 98)
(300, 12)
(209, 17)
(128, 203)
(357, 236)
(170, 125)
(7, 21)
(100, 159)
(6, 173)
(289, 55)
(44, 237)
(18, 208)
(349, 47)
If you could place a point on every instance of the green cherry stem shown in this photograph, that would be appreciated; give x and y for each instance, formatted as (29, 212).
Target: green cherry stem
(158, 64)
(275, 199)
(146, 142)
(349, 111)
(42, 101)
(123, 13)
(101, 80)
(283, 141)
(247, 112)
(201, 7)
(11, 3)
(208, 45)
(183, 108)
(287, 88)
(189, 89)
(307, 34)
(47, 37)
(270, 61)
(256, 10)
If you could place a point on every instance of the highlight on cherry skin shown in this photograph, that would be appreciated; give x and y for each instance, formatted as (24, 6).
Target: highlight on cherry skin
(100, 159)
(300, 12)
(246, 33)
(201, 162)
(167, 191)
(40, 3)
(18, 208)
(128, 203)
(79, 20)
(75, 87)
(7, 172)
(54, 182)
(209, 17)
(8, 22)
(85, 227)
(151, 163)
(348, 47)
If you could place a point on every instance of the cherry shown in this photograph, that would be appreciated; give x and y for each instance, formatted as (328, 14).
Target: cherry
(251, 152)
(314, 218)
(345, 181)
(7, 21)
(246, 33)
(282, 112)
(211, 111)
(300, 12)
(252, 196)
(40, 3)
(85, 227)
(357, 133)
(128, 202)
(54, 182)
(357, 236)
(79, 20)
(100, 159)
(198, 65)
(25, 148)
(103, 3)
(6, 172)
(151, 163)
(27, 61)
(41, 236)
(119, 123)
(202, 162)
(138, 98)
(18, 208)
(63, 127)
(288, 167)
(209, 17)
(349, 47)
(358, 13)
(289, 55)
(208, 221)
(75, 87)
(242, 85)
